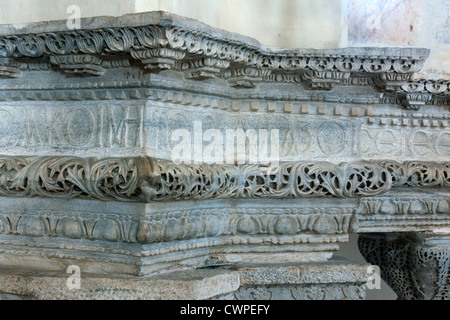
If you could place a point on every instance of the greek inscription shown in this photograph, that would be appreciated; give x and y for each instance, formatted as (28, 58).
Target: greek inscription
(332, 138)
(74, 126)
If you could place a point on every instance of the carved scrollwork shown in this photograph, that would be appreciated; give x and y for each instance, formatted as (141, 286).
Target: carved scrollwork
(437, 87)
(407, 65)
(146, 179)
(7, 47)
(418, 174)
(30, 45)
(299, 292)
(376, 65)
(293, 63)
(321, 64)
(89, 42)
(118, 40)
(69, 177)
(348, 64)
(150, 37)
(62, 44)
(248, 181)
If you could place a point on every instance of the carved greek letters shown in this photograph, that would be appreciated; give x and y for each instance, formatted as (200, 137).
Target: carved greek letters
(79, 126)
(333, 145)
(71, 126)
(405, 142)
(298, 138)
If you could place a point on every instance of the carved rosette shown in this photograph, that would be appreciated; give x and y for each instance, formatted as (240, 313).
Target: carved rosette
(415, 266)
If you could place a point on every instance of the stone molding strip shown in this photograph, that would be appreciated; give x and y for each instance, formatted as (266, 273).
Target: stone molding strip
(141, 179)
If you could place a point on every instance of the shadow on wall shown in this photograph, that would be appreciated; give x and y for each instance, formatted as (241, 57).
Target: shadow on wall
(350, 251)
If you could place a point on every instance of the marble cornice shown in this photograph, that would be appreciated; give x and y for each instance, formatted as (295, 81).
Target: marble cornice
(158, 41)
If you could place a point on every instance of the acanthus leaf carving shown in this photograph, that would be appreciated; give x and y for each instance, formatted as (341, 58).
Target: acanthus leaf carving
(142, 179)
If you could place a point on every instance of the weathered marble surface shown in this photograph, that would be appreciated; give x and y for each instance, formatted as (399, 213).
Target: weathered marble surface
(336, 279)
(181, 285)
(88, 177)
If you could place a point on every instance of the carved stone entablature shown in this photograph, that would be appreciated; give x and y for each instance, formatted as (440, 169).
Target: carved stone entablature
(140, 145)
(159, 40)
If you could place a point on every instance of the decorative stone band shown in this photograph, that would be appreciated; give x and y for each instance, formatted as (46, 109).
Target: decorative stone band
(161, 41)
(105, 41)
(144, 179)
(291, 180)
(418, 173)
(71, 177)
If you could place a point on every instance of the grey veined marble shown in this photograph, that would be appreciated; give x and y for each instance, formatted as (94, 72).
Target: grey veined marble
(145, 150)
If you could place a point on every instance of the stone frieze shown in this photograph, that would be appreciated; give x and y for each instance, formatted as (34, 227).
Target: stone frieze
(143, 179)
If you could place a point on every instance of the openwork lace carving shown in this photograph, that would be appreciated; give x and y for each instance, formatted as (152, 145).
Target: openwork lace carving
(144, 179)
(71, 177)
(418, 173)
(292, 180)
(415, 271)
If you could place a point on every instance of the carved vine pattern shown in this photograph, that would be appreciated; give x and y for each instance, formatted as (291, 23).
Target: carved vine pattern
(71, 177)
(147, 180)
